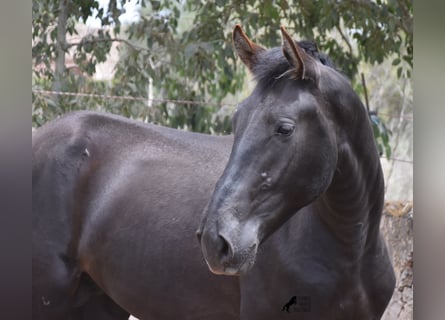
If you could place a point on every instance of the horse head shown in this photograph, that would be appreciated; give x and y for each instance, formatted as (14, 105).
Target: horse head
(284, 154)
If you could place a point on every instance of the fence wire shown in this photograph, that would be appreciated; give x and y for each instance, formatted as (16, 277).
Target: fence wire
(102, 96)
(179, 101)
(189, 102)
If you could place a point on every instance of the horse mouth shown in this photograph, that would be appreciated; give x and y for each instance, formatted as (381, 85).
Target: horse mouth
(243, 269)
(228, 269)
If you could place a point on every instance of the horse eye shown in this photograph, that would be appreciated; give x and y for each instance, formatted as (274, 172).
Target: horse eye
(285, 129)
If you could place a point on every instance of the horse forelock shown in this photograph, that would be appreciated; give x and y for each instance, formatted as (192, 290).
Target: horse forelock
(272, 65)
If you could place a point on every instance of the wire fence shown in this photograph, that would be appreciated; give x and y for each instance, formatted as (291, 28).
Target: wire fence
(153, 100)
(102, 96)
(189, 102)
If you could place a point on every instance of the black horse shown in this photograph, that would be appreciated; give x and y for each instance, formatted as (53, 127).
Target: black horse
(116, 204)
(304, 173)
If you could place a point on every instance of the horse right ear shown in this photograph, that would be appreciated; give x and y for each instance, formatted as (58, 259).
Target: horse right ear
(246, 49)
(304, 66)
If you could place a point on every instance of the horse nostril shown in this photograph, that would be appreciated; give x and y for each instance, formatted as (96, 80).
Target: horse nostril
(225, 249)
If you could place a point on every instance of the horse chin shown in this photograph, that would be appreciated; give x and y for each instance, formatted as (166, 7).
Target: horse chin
(233, 270)
(246, 267)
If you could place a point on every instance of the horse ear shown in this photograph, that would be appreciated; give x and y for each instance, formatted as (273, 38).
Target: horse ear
(305, 67)
(246, 49)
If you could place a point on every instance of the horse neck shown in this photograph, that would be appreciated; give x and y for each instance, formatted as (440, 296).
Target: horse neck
(352, 204)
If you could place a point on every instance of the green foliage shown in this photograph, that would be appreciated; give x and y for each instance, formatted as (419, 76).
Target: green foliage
(183, 51)
(88, 52)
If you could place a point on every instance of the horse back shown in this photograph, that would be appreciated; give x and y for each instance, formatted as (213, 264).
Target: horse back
(103, 184)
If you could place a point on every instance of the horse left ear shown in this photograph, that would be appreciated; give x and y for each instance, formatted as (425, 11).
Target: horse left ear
(305, 67)
(247, 50)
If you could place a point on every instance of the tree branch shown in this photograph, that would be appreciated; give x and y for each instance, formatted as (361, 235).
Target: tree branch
(344, 38)
(135, 47)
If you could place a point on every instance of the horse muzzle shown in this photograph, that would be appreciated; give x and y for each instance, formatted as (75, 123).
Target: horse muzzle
(228, 252)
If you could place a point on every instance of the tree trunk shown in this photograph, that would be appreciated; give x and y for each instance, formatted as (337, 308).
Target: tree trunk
(59, 74)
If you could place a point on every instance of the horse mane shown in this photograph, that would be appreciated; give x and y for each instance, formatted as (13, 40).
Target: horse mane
(272, 65)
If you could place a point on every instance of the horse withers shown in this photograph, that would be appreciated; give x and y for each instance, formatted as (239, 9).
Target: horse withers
(297, 209)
